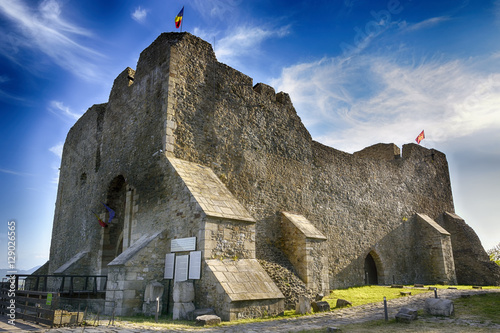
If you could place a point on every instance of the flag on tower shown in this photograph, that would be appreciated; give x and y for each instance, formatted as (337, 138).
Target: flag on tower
(178, 18)
(420, 137)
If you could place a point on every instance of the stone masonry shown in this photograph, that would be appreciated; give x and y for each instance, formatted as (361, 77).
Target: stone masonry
(187, 148)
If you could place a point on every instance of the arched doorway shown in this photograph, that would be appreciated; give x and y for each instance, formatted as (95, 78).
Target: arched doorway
(112, 243)
(371, 273)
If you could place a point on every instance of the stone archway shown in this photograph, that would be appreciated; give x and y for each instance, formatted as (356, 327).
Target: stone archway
(373, 269)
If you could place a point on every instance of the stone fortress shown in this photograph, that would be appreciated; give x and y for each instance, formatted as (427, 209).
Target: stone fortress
(215, 181)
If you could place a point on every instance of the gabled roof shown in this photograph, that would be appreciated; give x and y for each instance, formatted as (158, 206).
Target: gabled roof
(209, 192)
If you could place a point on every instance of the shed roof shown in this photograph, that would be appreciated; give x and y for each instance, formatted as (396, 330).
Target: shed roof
(244, 279)
(209, 192)
(303, 224)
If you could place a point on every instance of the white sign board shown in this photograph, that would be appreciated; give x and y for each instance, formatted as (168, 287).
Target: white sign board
(181, 268)
(169, 266)
(183, 244)
(194, 265)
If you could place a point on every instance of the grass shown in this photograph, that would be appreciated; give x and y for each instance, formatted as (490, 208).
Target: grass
(484, 307)
(481, 307)
(368, 294)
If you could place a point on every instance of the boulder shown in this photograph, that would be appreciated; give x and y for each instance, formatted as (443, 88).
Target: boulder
(303, 306)
(342, 302)
(320, 306)
(201, 312)
(318, 297)
(439, 307)
(207, 320)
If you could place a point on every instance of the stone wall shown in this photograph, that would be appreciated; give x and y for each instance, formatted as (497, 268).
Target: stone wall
(472, 263)
(257, 145)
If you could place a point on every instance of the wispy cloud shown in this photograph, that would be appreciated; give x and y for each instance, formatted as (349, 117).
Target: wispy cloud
(426, 23)
(242, 41)
(57, 149)
(216, 8)
(45, 30)
(140, 14)
(353, 103)
(15, 173)
(59, 108)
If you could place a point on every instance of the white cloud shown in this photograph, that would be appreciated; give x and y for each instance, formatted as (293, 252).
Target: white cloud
(355, 102)
(15, 173)
(426, 23)
(241, 42)
(45, 30)
(140, 14)
(57, 149)
(60, 108)
(219, 9)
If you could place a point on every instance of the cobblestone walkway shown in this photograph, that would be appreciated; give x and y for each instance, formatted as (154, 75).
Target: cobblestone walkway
(335, 318)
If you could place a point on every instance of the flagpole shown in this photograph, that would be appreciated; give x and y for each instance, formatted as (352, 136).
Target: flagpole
(182, 19)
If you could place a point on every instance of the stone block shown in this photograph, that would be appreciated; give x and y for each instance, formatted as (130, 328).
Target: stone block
(183, 292)
(406, 315)
(208, 320)
(342, 302)
(182, 311)
(333, 329)
(439, 307)
(153, 290)
(320, 306)
(201, 312)
(318, 297)
(303, 306)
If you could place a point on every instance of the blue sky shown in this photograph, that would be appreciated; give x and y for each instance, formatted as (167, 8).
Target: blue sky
(359, 72)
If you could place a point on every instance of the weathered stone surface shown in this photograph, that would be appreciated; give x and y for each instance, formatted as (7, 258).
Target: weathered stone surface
(201, 312)
(153, 291)
(183, 130)
(303, 306)
(318, 297)
(182, 311)
(320, 306)
(439, 307)
(183, 292)
(342, 302)
(208, 320)
(472, 264)
(406, 315)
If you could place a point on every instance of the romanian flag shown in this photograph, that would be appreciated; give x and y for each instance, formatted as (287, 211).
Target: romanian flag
(101, 223)
(178, 18)
(420, 137)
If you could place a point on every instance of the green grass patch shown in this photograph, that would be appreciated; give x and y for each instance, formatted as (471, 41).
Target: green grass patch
(484, 307)
(369, 294)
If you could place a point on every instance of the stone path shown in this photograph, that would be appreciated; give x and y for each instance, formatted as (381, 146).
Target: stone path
(335, 318)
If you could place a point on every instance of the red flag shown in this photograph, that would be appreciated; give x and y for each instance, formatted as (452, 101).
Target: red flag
(178, 18)
(420, 137)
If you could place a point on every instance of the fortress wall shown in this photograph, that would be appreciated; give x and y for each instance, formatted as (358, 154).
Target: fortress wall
(260, 149)
(77, 185)
(125, 137)
(182, 102)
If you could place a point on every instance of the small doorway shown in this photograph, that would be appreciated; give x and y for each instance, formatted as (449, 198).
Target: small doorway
(371, 274)
(112, 243)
